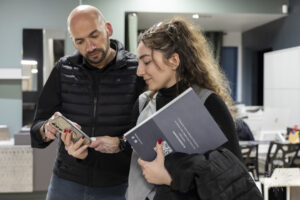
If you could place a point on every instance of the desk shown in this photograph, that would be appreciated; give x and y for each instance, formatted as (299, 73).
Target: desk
(282, 177)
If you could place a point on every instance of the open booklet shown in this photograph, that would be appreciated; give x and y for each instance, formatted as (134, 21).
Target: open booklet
(184, 125)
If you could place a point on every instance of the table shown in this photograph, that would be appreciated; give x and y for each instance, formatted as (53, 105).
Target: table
(282, 177)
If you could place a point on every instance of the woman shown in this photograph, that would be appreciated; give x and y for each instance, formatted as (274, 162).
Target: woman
(172, 57)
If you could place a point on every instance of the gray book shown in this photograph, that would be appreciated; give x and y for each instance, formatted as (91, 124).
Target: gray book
(184, 125)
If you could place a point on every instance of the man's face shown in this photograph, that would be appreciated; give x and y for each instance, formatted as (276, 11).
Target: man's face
(91, 38)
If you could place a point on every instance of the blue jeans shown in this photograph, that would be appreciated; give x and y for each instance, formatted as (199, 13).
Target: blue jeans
(61, 189)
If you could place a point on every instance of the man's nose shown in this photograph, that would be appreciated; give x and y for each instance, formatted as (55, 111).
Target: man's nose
(90, 46)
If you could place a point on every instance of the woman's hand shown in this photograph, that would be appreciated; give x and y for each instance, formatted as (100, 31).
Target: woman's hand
(76, 150)
(155, 171)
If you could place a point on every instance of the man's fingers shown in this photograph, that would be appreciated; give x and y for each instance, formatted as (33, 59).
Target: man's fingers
(56, 114)
(50, 128)
(95, 143)
(77, 125)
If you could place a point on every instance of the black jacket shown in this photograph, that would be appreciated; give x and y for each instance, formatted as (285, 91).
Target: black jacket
(100, 100)
(217, 175)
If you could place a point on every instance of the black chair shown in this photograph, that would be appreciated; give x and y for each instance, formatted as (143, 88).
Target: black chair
(250, 158)
(281, 155)
(296, 159)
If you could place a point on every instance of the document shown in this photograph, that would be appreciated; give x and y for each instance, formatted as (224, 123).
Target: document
(184, 125)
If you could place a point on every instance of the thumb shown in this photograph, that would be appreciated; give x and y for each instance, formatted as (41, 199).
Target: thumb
(94, 142)
(159, 151)
(141, 162)
(56, 114)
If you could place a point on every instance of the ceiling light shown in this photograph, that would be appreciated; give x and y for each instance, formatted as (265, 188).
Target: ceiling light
(195, 16)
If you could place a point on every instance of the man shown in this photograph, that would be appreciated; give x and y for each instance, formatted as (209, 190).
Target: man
(96, 88)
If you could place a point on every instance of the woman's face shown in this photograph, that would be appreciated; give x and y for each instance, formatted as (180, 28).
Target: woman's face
(158, 74)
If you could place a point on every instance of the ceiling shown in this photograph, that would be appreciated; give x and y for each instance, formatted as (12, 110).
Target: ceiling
(211, 22)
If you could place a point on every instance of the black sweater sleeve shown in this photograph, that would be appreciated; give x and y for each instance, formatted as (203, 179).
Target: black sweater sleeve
(219, 111)
(48, 103)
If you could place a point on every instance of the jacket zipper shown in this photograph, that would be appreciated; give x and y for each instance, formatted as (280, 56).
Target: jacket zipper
(94, 114)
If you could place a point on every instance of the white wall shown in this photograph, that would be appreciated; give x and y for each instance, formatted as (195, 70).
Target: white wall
(282, 82)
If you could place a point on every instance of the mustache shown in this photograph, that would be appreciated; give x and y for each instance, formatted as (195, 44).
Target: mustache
(94, 51)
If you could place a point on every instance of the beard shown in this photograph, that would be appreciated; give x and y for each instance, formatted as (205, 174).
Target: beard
(102, 52)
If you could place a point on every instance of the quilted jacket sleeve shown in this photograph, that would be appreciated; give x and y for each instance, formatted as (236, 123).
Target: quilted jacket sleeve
(216, 175)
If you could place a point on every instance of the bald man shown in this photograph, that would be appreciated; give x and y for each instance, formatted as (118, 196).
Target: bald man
(96, 89)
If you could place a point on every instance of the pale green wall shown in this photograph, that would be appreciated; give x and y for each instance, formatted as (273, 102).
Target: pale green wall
(14, 16)
(114, 10)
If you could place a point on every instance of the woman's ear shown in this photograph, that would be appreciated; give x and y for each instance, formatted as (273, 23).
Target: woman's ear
(174, 60)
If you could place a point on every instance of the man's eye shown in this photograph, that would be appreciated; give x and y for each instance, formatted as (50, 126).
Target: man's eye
(94, 36)
(79, 42)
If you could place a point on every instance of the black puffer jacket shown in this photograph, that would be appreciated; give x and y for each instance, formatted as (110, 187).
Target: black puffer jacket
(100, 100)
(217, 175)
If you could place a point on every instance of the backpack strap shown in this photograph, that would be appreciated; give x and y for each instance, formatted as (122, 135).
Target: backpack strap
(144, 100)
(202, 93)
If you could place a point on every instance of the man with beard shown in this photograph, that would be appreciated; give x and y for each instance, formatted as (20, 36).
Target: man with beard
(96, 89)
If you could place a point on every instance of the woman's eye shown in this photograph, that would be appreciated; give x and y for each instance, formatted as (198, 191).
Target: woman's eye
(146, 63)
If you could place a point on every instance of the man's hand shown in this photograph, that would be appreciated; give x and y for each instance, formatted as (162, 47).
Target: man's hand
(76, 150)
(106, 144)
(50, 131)
(155, 171)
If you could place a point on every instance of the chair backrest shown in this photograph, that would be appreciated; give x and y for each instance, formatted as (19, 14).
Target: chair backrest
(280, 155)
(250, 158)
(296, 160)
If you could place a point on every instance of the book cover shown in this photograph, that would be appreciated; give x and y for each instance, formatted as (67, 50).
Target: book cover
(184, 125)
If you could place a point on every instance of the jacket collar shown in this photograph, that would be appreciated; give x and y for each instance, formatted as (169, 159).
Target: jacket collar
(120, 60)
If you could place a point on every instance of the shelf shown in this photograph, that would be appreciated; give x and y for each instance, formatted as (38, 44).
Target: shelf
(8, 74)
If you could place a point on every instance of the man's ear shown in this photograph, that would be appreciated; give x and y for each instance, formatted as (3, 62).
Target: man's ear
(109, 28)
(174, 60)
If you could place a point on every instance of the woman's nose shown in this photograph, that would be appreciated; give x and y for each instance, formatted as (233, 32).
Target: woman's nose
(140, 71)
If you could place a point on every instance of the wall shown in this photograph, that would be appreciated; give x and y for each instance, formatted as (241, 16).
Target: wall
(280, 34)
(234, 39)
(114, 10)
(14, 16)
(116, 14)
